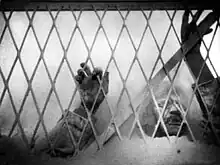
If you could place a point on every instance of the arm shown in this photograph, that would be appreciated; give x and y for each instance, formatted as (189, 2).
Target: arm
(194, 58)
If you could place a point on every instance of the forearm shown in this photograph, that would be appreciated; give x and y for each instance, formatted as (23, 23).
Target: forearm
(195, 62)
(194, 58)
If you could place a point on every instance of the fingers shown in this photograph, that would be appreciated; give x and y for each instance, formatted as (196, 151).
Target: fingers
(184, 25)
(81, 73)
(85, 71)
(80, 76)
(187, 28)
(208, 31)
(97, 72)
(78, 79)
(185, 19)
(106, 82)
(86, 68)
(197, 15)
(106, 76)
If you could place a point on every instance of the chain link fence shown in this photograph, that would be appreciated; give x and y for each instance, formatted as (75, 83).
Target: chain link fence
(42, 50)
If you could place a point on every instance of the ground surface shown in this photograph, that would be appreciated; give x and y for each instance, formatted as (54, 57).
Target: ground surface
(115, 152)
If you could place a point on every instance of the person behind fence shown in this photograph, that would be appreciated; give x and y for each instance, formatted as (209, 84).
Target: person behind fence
(207, 91)
(73, 130)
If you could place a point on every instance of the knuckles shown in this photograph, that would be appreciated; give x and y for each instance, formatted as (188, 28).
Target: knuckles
(89, 83)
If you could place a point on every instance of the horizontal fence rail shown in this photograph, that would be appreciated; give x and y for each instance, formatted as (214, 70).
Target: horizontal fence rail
(17, 5)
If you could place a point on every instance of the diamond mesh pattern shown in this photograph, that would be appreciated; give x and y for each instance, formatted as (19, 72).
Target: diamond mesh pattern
(59, 65)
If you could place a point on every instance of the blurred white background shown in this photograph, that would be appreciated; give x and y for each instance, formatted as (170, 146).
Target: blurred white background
(77, 53)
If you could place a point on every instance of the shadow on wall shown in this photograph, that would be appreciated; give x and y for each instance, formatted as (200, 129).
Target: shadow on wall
(77, 53)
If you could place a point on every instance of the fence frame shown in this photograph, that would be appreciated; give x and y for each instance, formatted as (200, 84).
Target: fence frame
(89, 5)
(40, 5)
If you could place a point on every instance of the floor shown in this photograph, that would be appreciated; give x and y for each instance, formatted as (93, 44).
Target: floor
(128, 151)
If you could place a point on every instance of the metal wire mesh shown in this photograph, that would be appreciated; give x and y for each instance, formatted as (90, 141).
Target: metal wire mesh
(115, 121)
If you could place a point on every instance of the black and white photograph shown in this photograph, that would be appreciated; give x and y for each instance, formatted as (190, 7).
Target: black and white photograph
(97, 82)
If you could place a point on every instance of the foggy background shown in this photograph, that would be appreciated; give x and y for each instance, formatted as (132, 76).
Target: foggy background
(77, 53)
